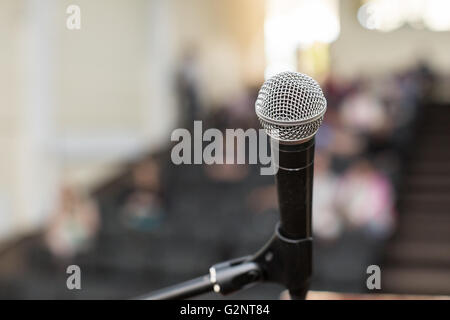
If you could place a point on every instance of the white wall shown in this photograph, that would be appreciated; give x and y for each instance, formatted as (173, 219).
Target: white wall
(75, 104)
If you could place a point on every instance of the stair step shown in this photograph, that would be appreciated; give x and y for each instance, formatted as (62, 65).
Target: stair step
(416, 280)
(432, 179)
(423, 216)
(424, 226)
(419, 254)
(430, 167)
(430, 197)
(423, 207)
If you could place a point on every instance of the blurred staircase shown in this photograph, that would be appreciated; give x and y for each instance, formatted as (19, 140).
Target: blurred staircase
(417, 260)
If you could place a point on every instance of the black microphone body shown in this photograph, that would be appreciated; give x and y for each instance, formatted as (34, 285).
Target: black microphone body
(294, 181)
(293, 239)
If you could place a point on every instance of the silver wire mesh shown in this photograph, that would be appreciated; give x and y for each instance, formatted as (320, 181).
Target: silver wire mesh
(290, 106)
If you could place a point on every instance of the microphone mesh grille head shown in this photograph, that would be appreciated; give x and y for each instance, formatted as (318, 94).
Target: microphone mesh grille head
(290, 107)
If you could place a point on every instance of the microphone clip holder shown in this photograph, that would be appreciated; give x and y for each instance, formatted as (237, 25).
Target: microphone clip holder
(282, 260)
(287, 262)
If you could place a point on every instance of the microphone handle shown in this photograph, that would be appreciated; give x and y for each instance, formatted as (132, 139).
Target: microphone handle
(294, 181)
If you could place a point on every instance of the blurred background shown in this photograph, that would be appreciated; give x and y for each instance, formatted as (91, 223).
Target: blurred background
(86, 117)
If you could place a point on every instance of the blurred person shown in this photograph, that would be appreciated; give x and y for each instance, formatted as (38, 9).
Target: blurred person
(335, 90)
(362, 111)
(426, 79)
(345, 146)
(143, 208)
(327, 224)
(325, 136)
(240, 110)
(366, 199)
(188, 88)
(73, 226)
(232, 171)
(236, 112)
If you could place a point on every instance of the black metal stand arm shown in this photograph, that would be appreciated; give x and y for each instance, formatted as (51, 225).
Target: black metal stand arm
(281, 260)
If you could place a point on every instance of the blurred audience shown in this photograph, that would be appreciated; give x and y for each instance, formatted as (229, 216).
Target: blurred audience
(359, 147)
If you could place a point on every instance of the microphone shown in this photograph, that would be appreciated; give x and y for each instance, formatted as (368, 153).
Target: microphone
(290, 107)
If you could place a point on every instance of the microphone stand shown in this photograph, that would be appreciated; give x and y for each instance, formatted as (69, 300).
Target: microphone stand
(281, 260)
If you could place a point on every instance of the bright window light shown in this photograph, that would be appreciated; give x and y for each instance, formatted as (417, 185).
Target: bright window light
(388, 15)
(294, 24)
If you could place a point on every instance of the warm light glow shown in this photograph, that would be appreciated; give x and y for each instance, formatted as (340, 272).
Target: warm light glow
(294, 24)
(315, 60)
(388, 15)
